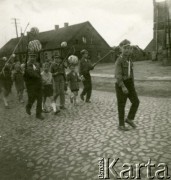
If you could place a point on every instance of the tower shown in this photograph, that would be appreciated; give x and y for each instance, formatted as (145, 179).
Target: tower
(161, 30)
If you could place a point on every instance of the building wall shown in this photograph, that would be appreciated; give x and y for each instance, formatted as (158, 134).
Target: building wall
(160, 28)
(161, 21)
(88, 39)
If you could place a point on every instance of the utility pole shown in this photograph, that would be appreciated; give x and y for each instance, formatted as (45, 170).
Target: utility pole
(155, 35)
(169, 31)
(16, 29)
(16, 23)
(157, 23)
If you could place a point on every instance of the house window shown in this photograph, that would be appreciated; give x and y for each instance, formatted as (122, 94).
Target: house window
(76, 41)
(45, 56)
(56, 52)
(91, 40)
(84, 40)
(98, 55)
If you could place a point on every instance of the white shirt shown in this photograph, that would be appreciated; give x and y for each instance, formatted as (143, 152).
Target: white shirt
(46, 77)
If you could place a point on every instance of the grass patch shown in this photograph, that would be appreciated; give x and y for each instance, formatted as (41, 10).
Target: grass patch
(144, 88)
(142, 69)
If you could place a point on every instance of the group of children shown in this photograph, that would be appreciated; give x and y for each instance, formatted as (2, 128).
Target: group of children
(55, 80)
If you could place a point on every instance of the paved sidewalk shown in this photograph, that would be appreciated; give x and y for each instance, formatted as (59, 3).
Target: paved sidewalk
(68, 146)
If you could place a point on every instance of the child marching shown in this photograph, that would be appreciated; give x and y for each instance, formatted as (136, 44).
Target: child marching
(47, 85)
(73, 78)
(17, 77)
(58, 74)
(5, 80)
(73, 81)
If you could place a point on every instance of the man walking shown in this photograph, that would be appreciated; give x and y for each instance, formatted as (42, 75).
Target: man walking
(84, 71)
(33, 83)
(125, 87)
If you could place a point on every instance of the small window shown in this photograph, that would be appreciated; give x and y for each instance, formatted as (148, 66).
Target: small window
(84, 40)
(98, 55)
(56, 52)
(46, 55)
(76, 41)
(91, 40)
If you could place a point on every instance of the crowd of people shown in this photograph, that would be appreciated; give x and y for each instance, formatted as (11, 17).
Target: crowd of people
(49, 80)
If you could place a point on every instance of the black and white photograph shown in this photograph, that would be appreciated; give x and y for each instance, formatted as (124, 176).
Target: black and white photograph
(85, 89)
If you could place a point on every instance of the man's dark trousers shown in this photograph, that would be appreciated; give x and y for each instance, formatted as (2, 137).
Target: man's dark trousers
(34, 94)
(122, 98)
(87, 90)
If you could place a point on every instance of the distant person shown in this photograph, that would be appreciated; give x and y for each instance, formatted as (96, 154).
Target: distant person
(125, 87)
(84, 71)
(18, 79)
(5, 80)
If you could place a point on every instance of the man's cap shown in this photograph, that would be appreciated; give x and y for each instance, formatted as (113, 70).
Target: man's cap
(125, 43)
(84, 51)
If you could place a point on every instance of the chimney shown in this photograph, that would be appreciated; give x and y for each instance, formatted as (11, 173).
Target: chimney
(56, 27)
(66, 25)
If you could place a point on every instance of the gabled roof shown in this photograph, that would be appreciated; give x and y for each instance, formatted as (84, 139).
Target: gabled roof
(49, 39)
(150, 46)
(53, 38)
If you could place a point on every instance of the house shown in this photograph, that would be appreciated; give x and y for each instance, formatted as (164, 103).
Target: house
(150, 47)
(78, 37)
(138, 53)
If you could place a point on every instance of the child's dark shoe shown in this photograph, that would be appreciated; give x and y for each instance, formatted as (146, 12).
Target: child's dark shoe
(40, 117)
(123, 128)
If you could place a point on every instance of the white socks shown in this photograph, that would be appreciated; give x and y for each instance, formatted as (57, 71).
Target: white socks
(5, 101)
(54, 106)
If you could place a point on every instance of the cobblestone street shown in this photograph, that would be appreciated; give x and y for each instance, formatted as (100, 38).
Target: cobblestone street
(69, 145)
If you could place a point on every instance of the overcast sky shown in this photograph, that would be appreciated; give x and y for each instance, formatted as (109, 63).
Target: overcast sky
(115, 20)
